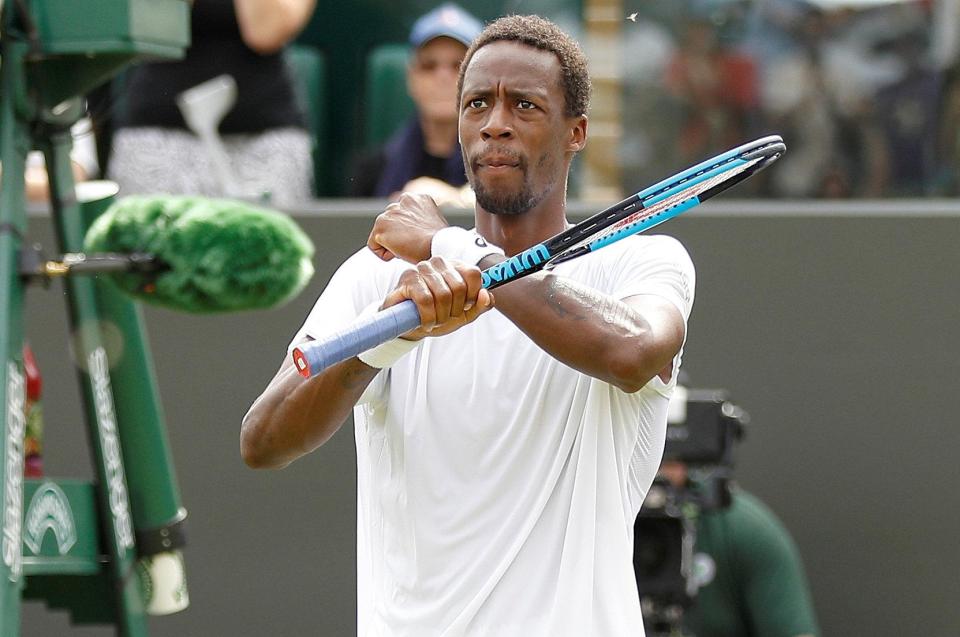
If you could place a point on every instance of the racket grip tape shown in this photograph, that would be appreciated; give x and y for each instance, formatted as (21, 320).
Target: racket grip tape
(313, 357)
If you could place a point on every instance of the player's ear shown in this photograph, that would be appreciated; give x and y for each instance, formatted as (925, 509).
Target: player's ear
(577, 139)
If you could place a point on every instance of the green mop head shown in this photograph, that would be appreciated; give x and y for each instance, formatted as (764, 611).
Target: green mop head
(221, 255)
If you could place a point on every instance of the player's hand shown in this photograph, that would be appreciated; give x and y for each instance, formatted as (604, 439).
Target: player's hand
(445, 195)
(448, 294)
(406, 228)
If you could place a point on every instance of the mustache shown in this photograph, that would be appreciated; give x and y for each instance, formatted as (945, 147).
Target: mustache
(501, 155)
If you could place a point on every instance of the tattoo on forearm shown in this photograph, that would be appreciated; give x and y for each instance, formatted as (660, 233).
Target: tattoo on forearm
(613, 311)
(558, 295)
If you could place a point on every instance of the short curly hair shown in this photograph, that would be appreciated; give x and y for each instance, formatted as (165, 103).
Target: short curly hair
(542, 34)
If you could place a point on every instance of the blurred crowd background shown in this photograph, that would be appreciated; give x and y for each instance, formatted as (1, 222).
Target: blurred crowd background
(866, 93)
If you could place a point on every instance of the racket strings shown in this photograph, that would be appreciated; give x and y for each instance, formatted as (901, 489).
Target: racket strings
(669, 202)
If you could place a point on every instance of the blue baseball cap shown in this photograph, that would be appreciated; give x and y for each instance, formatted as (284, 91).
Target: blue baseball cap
(447, 20)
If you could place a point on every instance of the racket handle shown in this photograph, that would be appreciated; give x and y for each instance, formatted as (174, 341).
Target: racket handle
(315, 356)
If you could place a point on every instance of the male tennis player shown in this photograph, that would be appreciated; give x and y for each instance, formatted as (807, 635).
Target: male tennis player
(503, 455)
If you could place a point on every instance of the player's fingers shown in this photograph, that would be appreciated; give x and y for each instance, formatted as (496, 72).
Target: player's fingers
(383, 253)
(380, 230)
(474, 282)
(458, 287)
(442, 295)
(414, 286)
(483, 304)
(373, 239)
(373, 242)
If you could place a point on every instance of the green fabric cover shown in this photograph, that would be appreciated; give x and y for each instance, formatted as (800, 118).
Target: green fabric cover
(223, 255)
(758, 587)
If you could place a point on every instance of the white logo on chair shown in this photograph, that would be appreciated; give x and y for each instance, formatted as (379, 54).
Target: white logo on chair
(13, 474)
(99, 369)
(49, 510)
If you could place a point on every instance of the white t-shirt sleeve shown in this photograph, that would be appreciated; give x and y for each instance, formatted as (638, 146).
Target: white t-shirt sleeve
(361, 280)
(657, 265)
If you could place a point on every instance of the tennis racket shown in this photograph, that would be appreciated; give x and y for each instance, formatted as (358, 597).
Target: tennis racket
(636, 213)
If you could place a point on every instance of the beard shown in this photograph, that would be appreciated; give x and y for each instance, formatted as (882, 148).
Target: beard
(498, 202)
(503, 202)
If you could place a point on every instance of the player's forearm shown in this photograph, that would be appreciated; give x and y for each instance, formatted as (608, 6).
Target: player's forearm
(585, 329)
(295, 415)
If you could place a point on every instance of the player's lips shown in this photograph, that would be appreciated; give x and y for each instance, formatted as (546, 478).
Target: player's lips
(498, 162)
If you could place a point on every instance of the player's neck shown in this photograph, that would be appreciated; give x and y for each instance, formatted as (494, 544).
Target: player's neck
(516, 233)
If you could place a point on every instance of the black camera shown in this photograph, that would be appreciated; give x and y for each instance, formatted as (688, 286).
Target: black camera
(702, 431)
(702, 434)
(662, 548)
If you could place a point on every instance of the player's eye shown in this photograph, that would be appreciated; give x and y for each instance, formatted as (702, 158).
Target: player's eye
(477, 102)
(526, 105)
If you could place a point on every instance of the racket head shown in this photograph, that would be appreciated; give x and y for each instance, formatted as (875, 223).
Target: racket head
(668, 198)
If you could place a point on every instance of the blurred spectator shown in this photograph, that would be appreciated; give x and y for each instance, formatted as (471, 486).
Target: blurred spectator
(815, 91)
(715, 87)
(650, 123)
(264, 134)
(796, 104)
(424, 155)
(947, 181)
(906, 114)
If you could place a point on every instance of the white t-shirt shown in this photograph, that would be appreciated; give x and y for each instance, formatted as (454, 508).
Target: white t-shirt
(497, 487)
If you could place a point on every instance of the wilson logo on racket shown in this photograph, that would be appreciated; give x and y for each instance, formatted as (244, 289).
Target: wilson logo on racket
(509, 269)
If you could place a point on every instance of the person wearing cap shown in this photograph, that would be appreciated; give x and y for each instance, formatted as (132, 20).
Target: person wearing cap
(424, 155)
